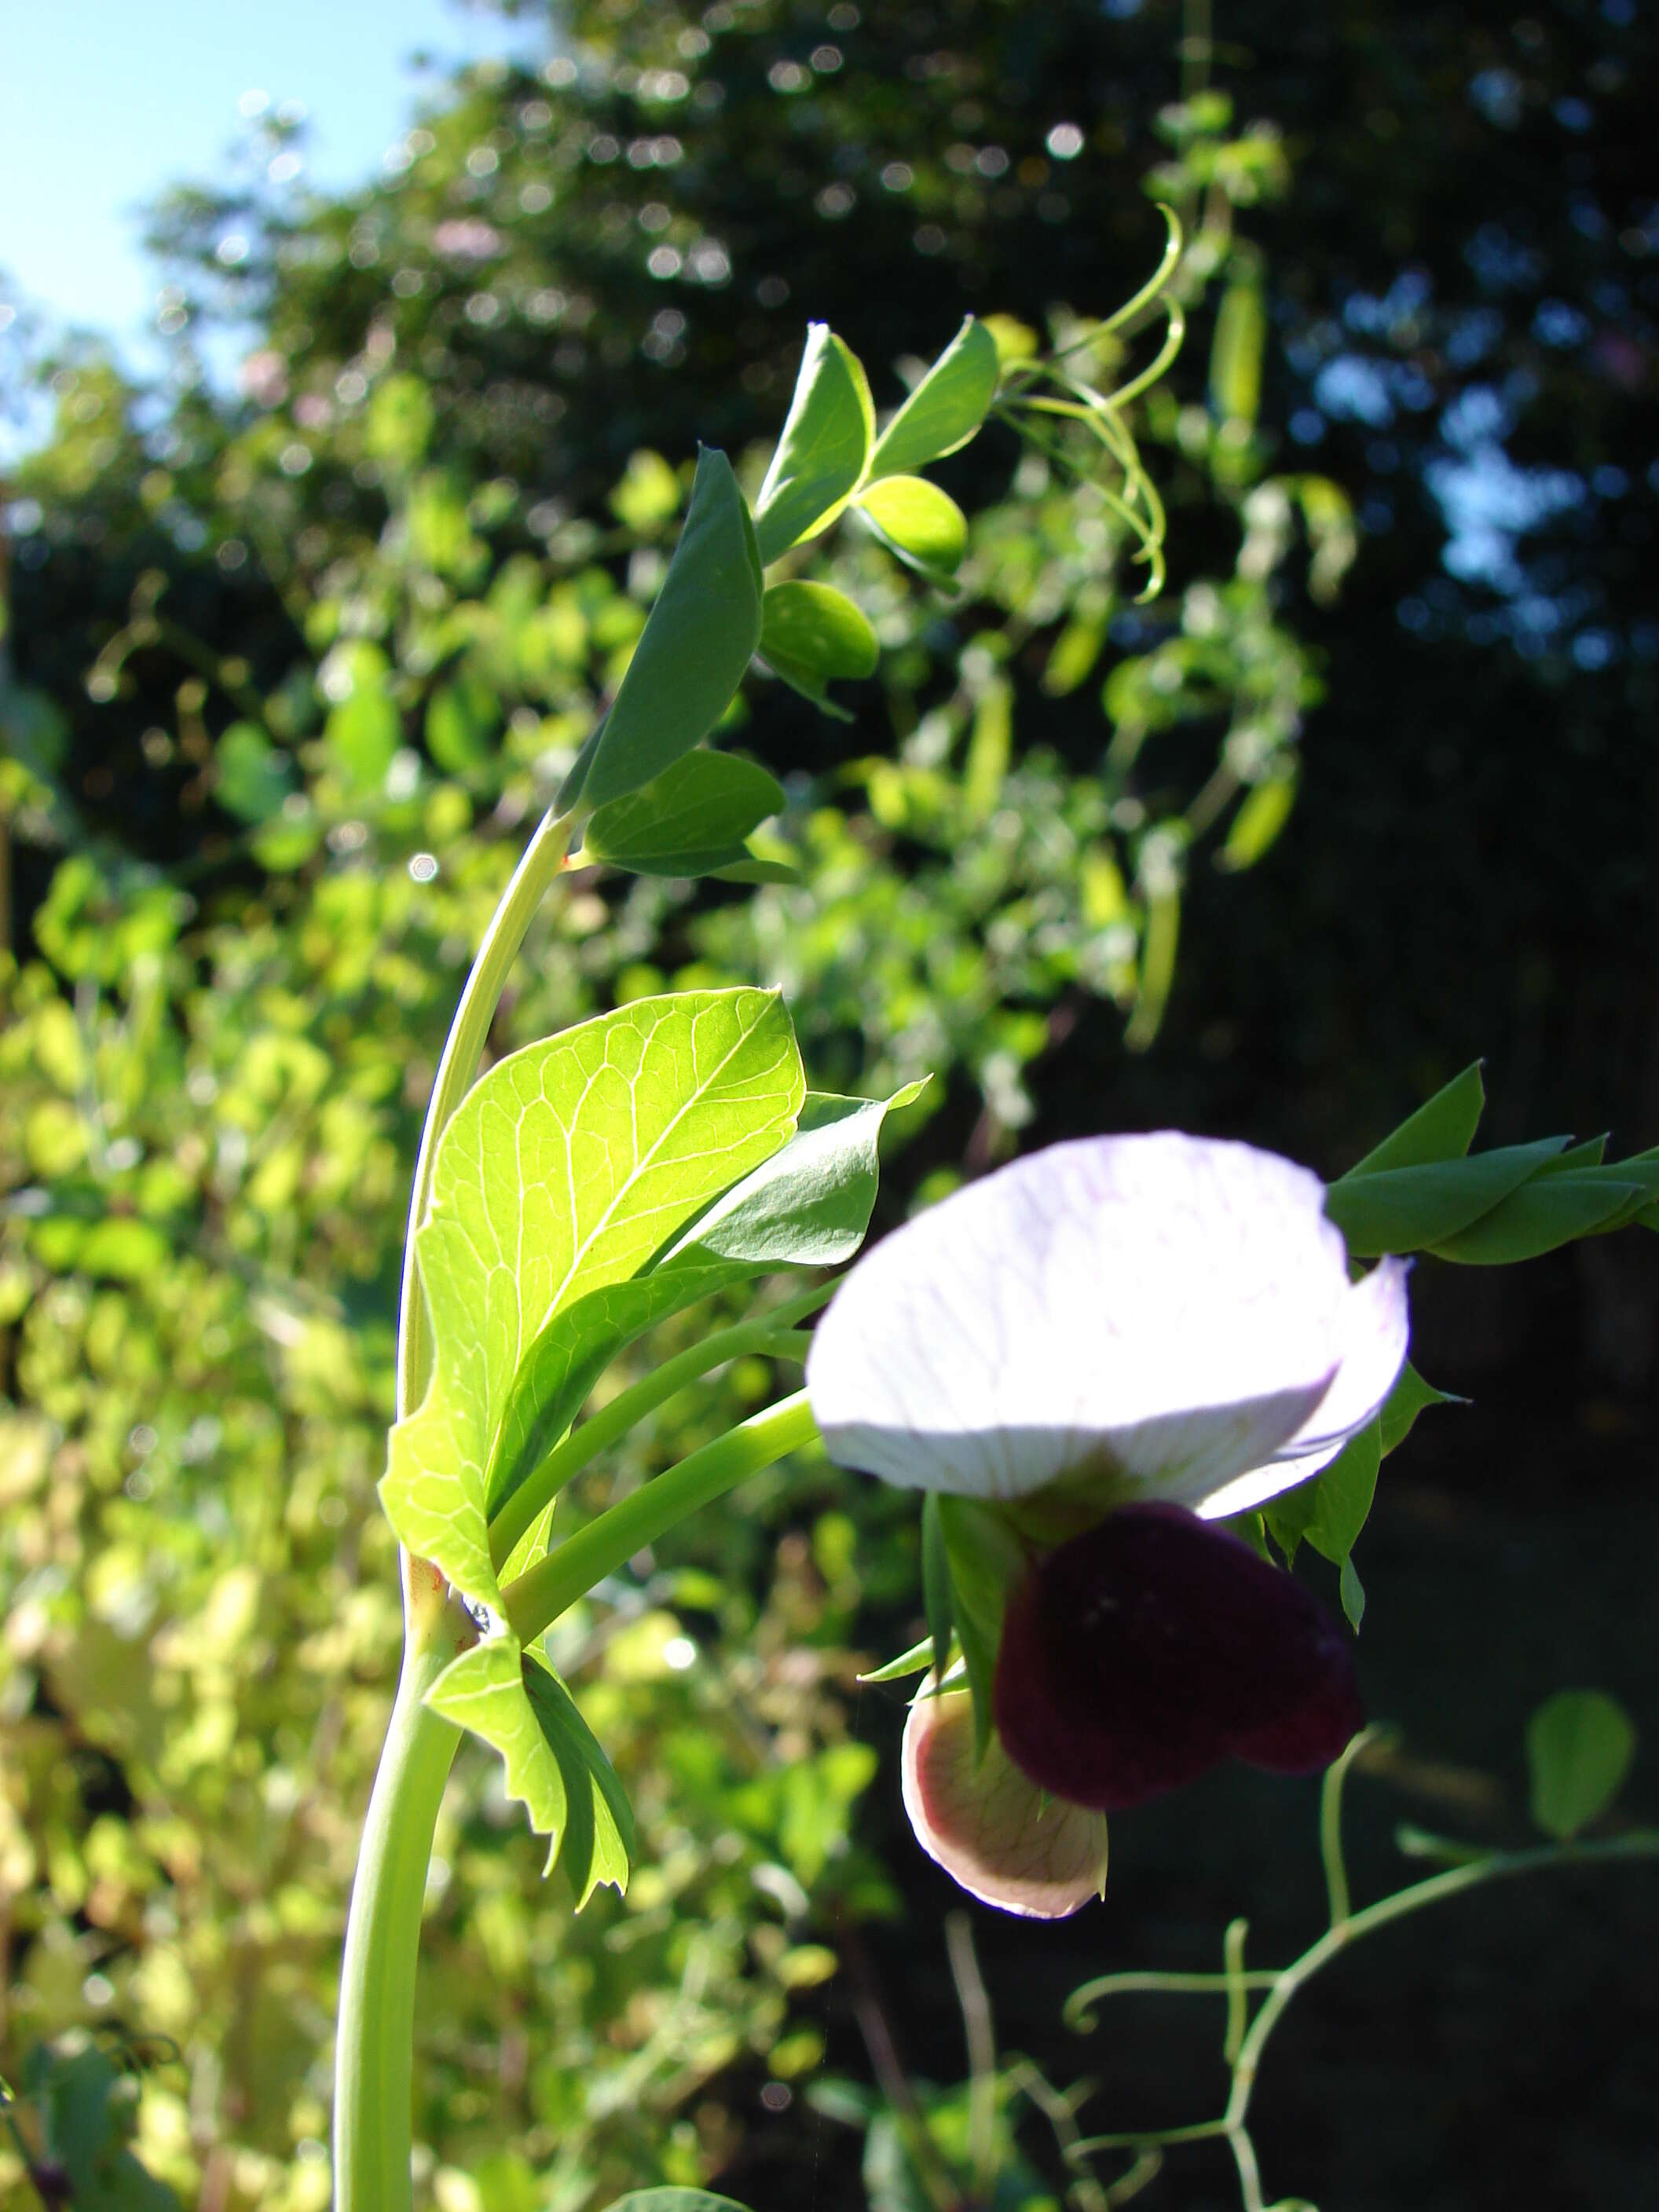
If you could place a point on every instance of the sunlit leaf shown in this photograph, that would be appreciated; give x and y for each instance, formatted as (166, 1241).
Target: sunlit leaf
(821, 455)
(918, 521)
(811, 634)
(693, 650)
(1580, 1744)
(462, 718)
(556, 1767)
(1410, 1396)
(1329, 1511)
(564, 1169)
(1254, 828)
(1547, 1211)
(946, 408)
(688, 821)
(938, 1600)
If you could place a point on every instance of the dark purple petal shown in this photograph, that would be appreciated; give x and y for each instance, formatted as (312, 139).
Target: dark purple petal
(1141, 1653)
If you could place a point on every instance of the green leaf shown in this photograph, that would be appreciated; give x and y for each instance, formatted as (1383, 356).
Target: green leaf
(1254, 828)
(1443, 1129)
(1410, 1396)
(916, 1661)
(985, 1559)
(1411, 1209)
(811, 634)
(124, 1249)
(252, 778)
(690, 820)
(564, 1169)
(822, 454)
(936, 1599)
(567, 1359)
(694, 648)
(919, 522)
(1352, 1591)
(674, 2200)
(808, 1204)
(1545, 1213)
(555, 1766)
(461, 720)
(1329, 1511)
(946, 408)
(362, 734)
(1580, 1744)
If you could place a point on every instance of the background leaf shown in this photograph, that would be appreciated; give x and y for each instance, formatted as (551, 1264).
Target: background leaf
(1580, 1744)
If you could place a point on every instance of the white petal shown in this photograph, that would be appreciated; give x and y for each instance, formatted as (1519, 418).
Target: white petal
(1005, 1840)
(1376, 1329)
(1168, 1307)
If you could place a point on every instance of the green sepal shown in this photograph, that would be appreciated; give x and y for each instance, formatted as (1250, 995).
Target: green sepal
(918, 1660)
(691, 820)
(946, 408)
(693, 651)
(985, 1559)
(936, 1600)
(821, 454)
(1410, 1396)
(1330, 1509)
(556, 1767)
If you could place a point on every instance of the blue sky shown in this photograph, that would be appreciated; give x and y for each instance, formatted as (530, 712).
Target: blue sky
(103, 102)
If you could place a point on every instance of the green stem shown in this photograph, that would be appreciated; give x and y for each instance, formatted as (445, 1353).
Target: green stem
(1642, 1844)
(463, 1049)
(375, 2033)
(537, 1598)
(629, 1408)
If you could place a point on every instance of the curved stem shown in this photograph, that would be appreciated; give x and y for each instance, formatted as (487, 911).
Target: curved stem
(1642, 1844)
(612, 1422)
(464, 1047)
(375, 2033)
(535, 1602)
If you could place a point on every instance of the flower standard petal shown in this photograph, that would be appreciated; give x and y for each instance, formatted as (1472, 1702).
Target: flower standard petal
(1002, 1839)
(1164, 1307)
(1376, 1331)
(1137, 1656)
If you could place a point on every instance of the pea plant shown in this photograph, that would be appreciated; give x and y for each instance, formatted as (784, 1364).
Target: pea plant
(1132, 1375)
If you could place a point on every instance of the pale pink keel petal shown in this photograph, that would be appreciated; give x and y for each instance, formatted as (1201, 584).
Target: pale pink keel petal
(990, 1829)
(1171, 1306)
(1376, 1332)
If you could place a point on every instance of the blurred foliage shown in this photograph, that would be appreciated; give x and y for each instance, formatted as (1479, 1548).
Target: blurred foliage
(289, 675)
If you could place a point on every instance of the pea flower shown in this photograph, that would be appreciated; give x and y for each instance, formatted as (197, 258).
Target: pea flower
(1114, 1344)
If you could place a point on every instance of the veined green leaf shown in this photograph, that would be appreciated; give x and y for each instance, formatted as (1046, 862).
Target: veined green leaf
(1411, 1209)
(821, 455)
(811, 634)
(1579, 1747)
(808, 1204)
(688, 821)
(946, 408)
(555, 1766)
(1441, 1129)
(565, 1169)
(694, 648)
(919, 522)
